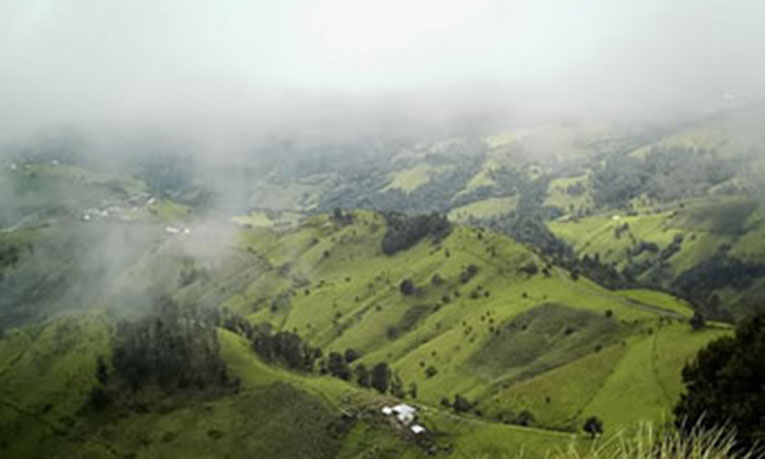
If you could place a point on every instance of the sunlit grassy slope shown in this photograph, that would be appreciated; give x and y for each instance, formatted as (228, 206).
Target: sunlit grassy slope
(410, 179)
(707, 226)
(344, 293)
(487, 208)
(507, 339)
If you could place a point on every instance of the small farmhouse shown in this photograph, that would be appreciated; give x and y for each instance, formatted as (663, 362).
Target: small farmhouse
(404, 413)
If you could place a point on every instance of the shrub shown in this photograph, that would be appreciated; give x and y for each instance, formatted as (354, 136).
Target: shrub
(593, 426)
(407, 287)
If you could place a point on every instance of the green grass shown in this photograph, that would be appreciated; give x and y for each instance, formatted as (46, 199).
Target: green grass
(658, 299)
(46, 374)
(557, 195)
(262, 219)
(487, 208)
(339, 291)
(352, 300)
(408, 180)
(646, 383)
(544, 337)
(704, 223)
(719, 215)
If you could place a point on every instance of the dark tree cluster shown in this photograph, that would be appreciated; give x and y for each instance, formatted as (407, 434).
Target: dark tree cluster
(286, 348)
(340, 217)
(529, 268)
(602, 273)
(461, 404)
(9, 255)
(411, 318)
(468, 273)
(174, 348)
(407, 287)
(529, 228)
(404, 231)
(698, 284)
(724, 384)
(365, 177)
(643, 246)
(664, 174)
(289, 349)
(593, 426)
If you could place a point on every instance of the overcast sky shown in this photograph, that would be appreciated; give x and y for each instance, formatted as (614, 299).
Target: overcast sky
(94, 61)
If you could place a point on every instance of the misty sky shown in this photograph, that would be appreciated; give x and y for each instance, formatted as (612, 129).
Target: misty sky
(95, 60)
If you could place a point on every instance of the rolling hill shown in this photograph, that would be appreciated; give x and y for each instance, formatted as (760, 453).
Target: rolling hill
(493, 325)
(530, 347)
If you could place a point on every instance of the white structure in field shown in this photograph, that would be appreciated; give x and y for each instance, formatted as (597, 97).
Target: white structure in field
(417, 429)
(405, 413)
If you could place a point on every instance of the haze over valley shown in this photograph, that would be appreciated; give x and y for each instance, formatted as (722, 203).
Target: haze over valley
(350, 229)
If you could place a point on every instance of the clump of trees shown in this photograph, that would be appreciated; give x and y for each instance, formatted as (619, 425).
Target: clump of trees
(405, 231)
(284, 347)
(9, 255)
(462, 404)
(174, 348)
(724, 384)
(340, 217)
(407, 287)
(468, 273)
(698, 283)
(291, 351)
(593, 426)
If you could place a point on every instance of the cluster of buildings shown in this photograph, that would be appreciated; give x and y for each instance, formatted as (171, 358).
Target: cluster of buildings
(405, 415)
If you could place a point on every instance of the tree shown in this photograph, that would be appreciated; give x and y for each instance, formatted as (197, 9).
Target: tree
(407, 287)
(724, 384)
(525, 418)
(397, 386)
(351, 355)
(337, 366)
(697, 321)
(102, 373)
(529, 268)
(381, 377)
(461, 404)
(431, 371)
(593, 426)
(362, 375)
(413, 389)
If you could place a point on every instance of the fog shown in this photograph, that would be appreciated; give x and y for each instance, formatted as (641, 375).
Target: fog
(162, 91)
(229, 70)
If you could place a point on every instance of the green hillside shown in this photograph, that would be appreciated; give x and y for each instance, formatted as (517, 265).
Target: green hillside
(658, 248)
(497, 331)
(486, 319)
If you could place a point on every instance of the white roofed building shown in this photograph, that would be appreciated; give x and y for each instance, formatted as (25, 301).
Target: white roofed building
(418, 429)
(405, 413)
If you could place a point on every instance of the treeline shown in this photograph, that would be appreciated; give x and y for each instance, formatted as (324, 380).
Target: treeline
(289, 350)
(405, 231)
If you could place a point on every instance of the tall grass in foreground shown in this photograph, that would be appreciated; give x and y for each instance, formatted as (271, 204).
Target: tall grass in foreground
(650, 443)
